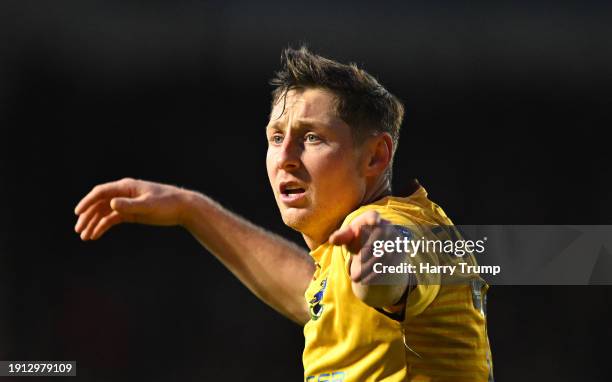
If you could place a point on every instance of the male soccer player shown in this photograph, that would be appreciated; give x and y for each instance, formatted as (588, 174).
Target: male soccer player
(332, 134)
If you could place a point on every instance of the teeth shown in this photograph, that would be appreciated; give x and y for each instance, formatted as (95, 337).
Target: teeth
(289, 190)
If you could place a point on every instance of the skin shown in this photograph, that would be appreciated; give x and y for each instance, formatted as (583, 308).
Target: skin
(309, 147)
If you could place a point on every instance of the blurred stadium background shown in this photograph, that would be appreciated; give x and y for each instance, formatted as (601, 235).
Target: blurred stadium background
(507, 108)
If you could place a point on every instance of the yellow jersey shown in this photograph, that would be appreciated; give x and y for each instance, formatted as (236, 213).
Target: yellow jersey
(441, 336)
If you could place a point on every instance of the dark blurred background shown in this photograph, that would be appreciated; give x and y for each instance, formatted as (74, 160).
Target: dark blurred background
(508, 106)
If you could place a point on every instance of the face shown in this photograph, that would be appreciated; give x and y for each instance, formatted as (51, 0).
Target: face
(312, 163)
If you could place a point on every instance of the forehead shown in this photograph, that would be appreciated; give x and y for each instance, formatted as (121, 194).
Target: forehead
(312, 103)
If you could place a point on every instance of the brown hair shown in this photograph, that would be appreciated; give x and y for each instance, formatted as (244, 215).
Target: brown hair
(361, 102)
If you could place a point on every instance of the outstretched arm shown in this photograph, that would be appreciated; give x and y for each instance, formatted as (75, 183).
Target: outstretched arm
(274, 269)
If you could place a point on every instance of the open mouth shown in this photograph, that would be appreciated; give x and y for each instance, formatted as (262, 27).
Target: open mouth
(291, 189)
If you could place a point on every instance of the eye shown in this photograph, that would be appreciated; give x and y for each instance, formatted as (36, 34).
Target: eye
(277, 139)
(312, 138)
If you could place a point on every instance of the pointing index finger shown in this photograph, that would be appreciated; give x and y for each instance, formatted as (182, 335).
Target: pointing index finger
(342, 236)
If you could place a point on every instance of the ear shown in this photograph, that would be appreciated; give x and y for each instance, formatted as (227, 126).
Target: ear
(379, 153)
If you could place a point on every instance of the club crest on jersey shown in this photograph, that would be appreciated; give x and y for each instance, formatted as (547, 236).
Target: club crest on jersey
(316, 307)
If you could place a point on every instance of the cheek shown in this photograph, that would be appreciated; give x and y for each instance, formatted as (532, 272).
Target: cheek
(270, 167)
(334, 171)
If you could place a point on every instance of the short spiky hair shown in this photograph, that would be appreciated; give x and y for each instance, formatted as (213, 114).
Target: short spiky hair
(364, 104)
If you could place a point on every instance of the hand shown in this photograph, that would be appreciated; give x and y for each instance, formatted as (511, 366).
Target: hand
(375, 289)
(353, 234)
(359, 235)
(129, 200)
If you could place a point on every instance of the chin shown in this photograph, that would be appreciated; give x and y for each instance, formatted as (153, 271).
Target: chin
(296, 219)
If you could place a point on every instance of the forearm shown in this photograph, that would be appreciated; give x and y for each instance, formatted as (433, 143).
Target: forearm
(274, 269)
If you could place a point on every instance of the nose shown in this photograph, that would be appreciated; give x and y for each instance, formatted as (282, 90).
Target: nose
(288, 157)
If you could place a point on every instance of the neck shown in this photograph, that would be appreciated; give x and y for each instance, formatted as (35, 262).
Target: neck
(311, 242)
(379, 189)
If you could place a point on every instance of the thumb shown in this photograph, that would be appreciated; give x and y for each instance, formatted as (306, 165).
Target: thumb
(128, 205)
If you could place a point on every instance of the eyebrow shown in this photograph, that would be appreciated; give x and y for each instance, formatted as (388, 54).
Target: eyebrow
(299, 124)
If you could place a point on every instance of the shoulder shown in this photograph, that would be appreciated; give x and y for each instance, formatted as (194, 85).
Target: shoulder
(397, 210)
